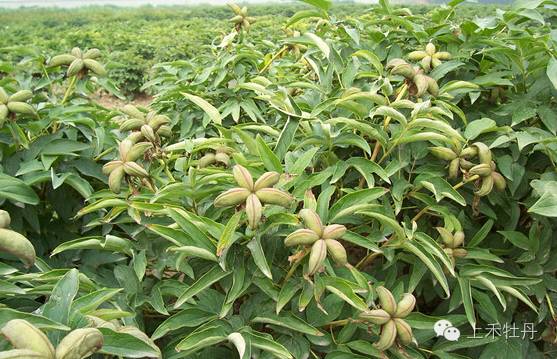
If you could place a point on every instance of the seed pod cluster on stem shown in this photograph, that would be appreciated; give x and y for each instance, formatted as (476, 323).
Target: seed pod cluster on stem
(15, 104)
(322, 239)
(241, 19)
(391, 318)
(420, 83)
(14, 243)
(148, 126)
(452, 243)
(129, 152)
(79, 62)
(253, 195)
(221, 156)
(429, 57)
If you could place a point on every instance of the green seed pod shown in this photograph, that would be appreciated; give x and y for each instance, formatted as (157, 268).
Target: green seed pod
(404, 331)
(21, 96)
(482, 170)
(460, 252)
(454, 168)
(448, 251)
(17, 245)
(466, 164)
(97, 322)
(232, 197)
(253, 210)
(22, 354)
(274, 196)
(426, 63)
(405, 306)
(115, 179)
(469, 152)
(405, 70)
(421, 84)
(23, 335)
(5, 219)
(333, 231)
(417, 55)
(317, 255)
(375, 316)
(432, 86)
(243, 177)
(135, 137)
(387, 336)
(442, 55)
(158, 121)
(75, 67)
(76, 51)
(148, 133)
(59, 60)
(92, 54)
(3, 95)
(267, 179)
(302, 236)
(394, 63)
(237, 19)
(435, 62)
(124, 147)
(458, 238)
(132, 111)
(430, 49)
(337, 251)
(80, 343)
(22, 108)
(164, 131)
(483, 152)
(446, 236)
(486, 187)
(111, 166)
(312, 220)
(386, 300)
(137, 150)
(443, 153)
(3, 113)
(206, 160)
(222, 158)
(131, 124)
(135, 170)
(499, 181)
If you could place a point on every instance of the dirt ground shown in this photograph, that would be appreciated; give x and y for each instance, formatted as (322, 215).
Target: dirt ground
(110, 101)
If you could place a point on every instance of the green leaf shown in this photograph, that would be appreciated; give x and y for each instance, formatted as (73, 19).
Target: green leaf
(41, 322)
(289, 321)
(481, 233)
(387, 221)
(552, 71)
(203, 338)
(16, 190)
(319, 42)
(466, 294)
(211, 277)
(259, 257)
(91, 301)
(433, 266)
(342, 289)
(266, 343)
(519, 240)
(477, 127)
(303, 161)
(187, 318)
(546, 205)
(354, 199)
(270, 160)
(209, 109)
(229, 236)
(107, 243)
(288, 290)
(321, 4)
(60, 301)
(286, 137)
(125, 345)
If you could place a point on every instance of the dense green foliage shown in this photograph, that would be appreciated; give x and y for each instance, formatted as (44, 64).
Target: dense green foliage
(312, 186)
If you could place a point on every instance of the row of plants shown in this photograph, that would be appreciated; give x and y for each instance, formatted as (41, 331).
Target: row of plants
(331, 192)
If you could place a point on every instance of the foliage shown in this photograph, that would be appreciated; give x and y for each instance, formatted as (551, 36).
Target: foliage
(331, 190)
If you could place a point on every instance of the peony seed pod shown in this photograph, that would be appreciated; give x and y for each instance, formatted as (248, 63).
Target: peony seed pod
(76, 51)
(484, 152)
(446, 236)
(443, 153)
(135, 137)
(232, 197)
(333, 231)
(432, 86)
(137, 151)
(486, 187)
(404, 331)
(164, 131)
(460, 252)
(466, 164)
(394, 63)
(206, 160)
(222, 158)
(115, 179)
(5, 219)
(442, 55)
(131, 124)
(481, 170)
(158, 120)
(336, 251)
(22, 354)
(75, 67)
(132, 111)
(387, 336)
(386, 300)
(454, 168)
(80, 343)
(21, 96)
(253, 210)
(3, 113)
(17, 245)
(274, 196)
(95, 66)
(417, 55)
(135, 170)
(426, 63)
(243, 177)
(430, 49)
(458, 238)
(435, 62)
(405, 70)
(405, 306)
(111, 166)
(312, 220)
(469, 152)
(499, 181)
(92, 54)
(375, 316)
(301, 236)
(421, 84)
(22, 108)
(448, 251)
(148, 133)
(317, 255)
(123, 148)
(59, 60)
(23, 335)
(267, 179)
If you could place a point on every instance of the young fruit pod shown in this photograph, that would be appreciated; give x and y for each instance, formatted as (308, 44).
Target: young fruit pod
(148, 133)
(135, 170)
(443, 153)
(23, 335)
(486, 186)
(267, 179)
(206, 160)
(76, 66)
(405, 70)
(59, 60)
(22, 354)
(164, 131)
(484, 153)
(254, 210)
(375, 316)
(442, 55)
(465, 164)
(131, 124)
(115, 178)
(481, 170)
(137, 151)
(421, 83)
(92, 54)
(302, 236)
(317, 255)
(469, 152)
(243, 177)
(417, 55)
(232, 197)
(386, 300)
(435, 62)
(3, 95)
(387, 336)
(21, 96)
(5, 219)
(446, 236)
(22, 108)
(76, 51)
(460, 252)
(430, 49)
(458, 239)
(454, 168)
(333, 231)
(132, 111)
(336, 251)
(95, 66)
(311, 220)
(158, 120)
(17, 245)
(3, 113)
(222, 158)
(405, 306)
(499, 181)
(80, 343)
(426, 63)
(404, 331)
(274, 196)
(432, 86)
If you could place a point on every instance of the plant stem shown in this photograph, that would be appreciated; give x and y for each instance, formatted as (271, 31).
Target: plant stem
(69, 90)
